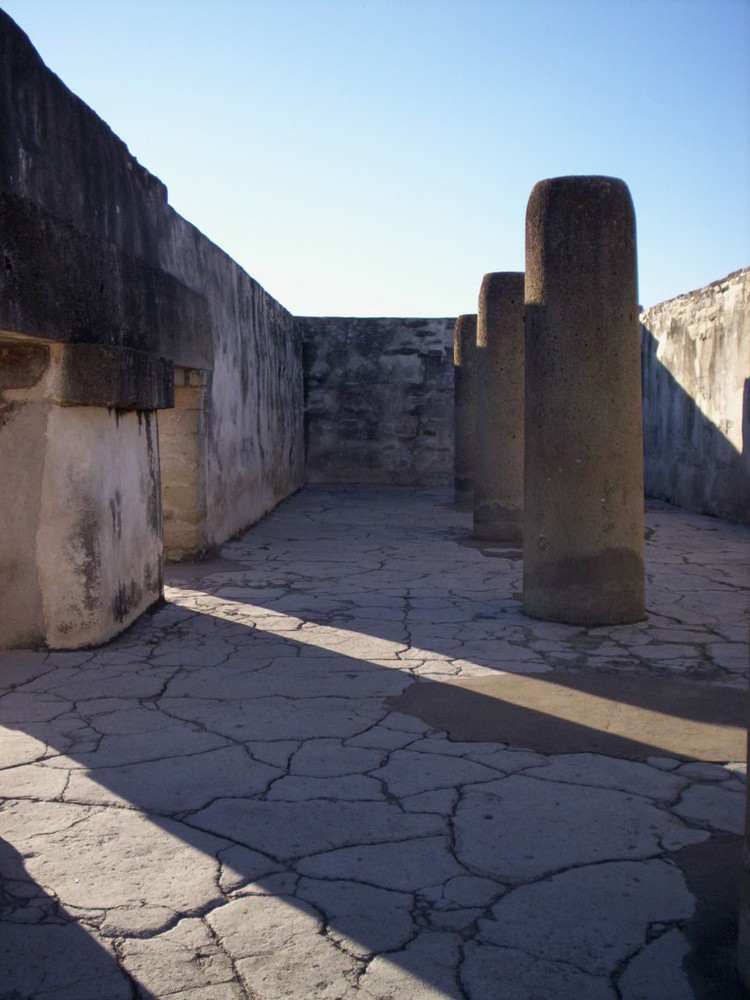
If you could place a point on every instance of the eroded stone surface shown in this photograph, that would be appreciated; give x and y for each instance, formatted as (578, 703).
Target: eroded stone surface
(186, 958)
(514, 973)
(424, 970)
(279, 950)
(622, 898)
(518, 830)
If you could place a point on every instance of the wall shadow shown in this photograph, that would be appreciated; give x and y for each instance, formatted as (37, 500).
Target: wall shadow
(44, 951)
(687, 459)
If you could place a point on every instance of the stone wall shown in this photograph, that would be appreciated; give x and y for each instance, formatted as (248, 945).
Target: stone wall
(253, 416)
(80, 517)
(105, 293)
(379, 400)
(120, 265)
(696, 399)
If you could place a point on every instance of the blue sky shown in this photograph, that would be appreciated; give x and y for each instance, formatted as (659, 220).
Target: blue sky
(375, 157)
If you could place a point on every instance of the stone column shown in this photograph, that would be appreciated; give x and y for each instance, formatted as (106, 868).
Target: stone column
(464, 367)
(498, 449)
(583, 479)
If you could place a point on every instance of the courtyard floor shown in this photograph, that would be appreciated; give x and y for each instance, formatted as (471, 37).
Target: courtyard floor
(340, 762)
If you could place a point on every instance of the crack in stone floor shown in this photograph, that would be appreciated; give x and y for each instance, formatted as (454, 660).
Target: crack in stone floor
(254, 793)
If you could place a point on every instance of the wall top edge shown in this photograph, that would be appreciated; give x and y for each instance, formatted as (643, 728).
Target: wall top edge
(200, 237)
(696, 292)
(29, 64)
(376, 319)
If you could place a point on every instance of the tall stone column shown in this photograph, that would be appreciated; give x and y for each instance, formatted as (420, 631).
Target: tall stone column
(464, 368)
(498, 449)
(583, 480)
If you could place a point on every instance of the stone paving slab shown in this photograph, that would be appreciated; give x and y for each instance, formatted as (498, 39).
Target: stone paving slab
(249, 794)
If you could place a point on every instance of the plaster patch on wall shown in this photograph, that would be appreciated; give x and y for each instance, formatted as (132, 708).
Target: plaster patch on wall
(97, 549)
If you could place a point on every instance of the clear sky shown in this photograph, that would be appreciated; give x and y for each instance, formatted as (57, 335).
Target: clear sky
(375, 157)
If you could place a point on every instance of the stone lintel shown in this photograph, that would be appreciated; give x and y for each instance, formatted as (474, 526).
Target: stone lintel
(117, 378)
(22, 362)
(86, 374)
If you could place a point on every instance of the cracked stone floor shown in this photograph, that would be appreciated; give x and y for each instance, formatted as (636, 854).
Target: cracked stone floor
(258, 791)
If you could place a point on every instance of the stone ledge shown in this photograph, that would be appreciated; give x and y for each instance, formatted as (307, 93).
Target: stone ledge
(119, 378)
(86, 375)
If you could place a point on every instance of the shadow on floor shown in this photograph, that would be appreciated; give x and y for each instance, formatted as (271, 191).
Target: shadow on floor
(619, 715)
(44, 951)
(276, 689)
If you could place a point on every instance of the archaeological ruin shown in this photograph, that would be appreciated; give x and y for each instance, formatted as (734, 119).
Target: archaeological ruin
(155, 401)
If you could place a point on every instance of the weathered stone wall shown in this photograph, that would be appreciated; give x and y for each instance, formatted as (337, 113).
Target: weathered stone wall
(120, 266)
(253, 418)
(63, 164)
(97, 269)
(379, 400)
(695, 353)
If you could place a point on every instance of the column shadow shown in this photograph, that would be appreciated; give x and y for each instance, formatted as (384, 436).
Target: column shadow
(271, 692)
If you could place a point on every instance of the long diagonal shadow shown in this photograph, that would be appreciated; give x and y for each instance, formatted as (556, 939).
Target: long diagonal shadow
(585, 713)
(44, 951)
(253, 763)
